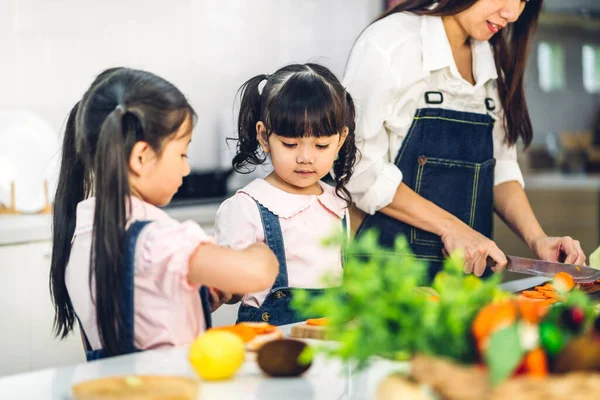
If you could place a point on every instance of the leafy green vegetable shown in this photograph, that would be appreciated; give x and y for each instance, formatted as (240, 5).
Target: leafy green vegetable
(380, 310)
(504, 353)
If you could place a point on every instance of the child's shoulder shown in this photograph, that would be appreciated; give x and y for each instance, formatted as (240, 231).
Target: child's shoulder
(241, 205)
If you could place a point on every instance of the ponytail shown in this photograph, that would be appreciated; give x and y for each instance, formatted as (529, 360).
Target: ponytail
(73, 187)
(114, 145)
(250, 113)
(343, 166)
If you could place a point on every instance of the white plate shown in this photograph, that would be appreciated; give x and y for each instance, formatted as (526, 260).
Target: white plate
(29, 155)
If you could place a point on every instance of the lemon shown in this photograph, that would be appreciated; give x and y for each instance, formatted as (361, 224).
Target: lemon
(217, 355)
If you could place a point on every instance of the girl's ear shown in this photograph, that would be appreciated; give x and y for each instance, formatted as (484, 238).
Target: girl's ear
(343, 136)
(141, 156)
(261, 134)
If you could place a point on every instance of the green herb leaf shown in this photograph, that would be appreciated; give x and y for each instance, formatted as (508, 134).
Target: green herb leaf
(503, 354)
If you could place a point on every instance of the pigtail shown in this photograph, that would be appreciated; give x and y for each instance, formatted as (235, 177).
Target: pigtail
(110, 218)
(343, 166)
(248, 148)
(73, 187)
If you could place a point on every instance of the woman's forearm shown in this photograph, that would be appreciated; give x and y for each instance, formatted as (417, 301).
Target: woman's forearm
(512, 206)
(412, 209)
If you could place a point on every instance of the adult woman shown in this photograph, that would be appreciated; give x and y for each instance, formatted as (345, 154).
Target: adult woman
(439, 93)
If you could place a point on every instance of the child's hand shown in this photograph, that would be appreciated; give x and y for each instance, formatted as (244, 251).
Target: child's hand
(218, 298)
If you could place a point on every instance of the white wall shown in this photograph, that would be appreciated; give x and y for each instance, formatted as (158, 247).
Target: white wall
(50, 50)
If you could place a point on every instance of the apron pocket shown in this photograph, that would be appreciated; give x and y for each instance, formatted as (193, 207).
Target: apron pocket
(456, 186)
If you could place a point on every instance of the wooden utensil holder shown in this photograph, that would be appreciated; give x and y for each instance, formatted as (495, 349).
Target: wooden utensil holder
(11, 208)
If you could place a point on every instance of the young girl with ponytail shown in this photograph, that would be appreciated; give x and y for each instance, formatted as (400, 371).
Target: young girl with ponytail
(302, 119)
(128, 272)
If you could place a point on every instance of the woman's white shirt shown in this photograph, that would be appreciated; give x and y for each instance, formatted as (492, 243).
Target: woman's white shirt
(391, 66)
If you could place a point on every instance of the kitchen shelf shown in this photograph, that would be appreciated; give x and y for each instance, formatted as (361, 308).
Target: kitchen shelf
(570, 20)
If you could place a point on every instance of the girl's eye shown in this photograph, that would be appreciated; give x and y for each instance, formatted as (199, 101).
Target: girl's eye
(288, 145)
(322, 146)
(184, 156)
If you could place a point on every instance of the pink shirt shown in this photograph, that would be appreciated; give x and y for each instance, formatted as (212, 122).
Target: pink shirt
(168, 310)
(305, 222)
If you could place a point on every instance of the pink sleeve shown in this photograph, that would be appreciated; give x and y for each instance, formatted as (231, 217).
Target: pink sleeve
(238, 223)
(163, 251)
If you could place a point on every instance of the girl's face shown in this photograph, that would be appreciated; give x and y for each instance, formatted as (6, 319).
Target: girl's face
(300, 163)
(485, 18)
(155, 178)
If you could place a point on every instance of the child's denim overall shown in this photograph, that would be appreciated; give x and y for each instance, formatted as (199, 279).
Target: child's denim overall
(127, 298)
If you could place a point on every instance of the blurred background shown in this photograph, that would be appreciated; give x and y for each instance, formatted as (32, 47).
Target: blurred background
(51, 50)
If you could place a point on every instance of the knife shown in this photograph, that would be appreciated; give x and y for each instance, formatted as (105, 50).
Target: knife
(528, 266)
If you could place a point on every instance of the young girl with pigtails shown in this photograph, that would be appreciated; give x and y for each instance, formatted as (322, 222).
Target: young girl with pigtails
(301, 119)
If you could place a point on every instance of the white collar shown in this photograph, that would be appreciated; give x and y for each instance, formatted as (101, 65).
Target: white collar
(286, 205)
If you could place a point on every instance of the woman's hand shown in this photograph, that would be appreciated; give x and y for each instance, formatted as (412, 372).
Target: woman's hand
(476, 248)
(558, 249)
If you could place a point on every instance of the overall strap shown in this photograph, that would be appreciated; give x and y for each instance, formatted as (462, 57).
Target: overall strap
(346, 239)
(127, 304)
(274, 239)
(126, 296)
(205, 300)
(86, 342)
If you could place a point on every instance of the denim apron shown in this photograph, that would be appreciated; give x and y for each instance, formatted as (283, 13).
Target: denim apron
(126, 305)
(447, 157)
(276, 308)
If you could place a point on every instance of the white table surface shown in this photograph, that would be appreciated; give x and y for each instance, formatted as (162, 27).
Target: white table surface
(327, 379)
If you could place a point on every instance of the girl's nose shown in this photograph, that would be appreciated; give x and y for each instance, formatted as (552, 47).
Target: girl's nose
(305, 155)
(186, 168)
(511, 10)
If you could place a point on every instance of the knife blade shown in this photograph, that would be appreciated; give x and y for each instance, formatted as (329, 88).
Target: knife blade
(580, 273)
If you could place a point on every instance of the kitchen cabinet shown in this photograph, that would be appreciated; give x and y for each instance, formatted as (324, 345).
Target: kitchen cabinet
(562, 211)
(27, 341)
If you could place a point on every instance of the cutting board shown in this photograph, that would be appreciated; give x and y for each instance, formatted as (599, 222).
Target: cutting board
(305, 331)
(137, 388)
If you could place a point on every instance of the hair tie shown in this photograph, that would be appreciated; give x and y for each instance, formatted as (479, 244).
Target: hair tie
(120, 109)
(262, 84)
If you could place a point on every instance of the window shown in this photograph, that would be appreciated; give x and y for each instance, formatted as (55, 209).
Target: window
(590, 56)
(551, 66)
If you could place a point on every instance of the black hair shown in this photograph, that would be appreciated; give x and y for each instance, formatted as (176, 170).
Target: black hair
(122, 107)
(298, 100)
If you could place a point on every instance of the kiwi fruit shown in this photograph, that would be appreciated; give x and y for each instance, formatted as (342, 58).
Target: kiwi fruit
(279, 358)
(580, 354)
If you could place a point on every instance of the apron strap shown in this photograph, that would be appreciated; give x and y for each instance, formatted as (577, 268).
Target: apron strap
(274, 239)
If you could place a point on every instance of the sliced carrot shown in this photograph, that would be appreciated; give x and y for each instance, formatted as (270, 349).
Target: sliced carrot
(545, 291)
(246, 333)
(531, 310)
(552, 295)
(541, 288)
(563, 282)
(533, 294)
(317, 321)
(536, 363)
(577, 268)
